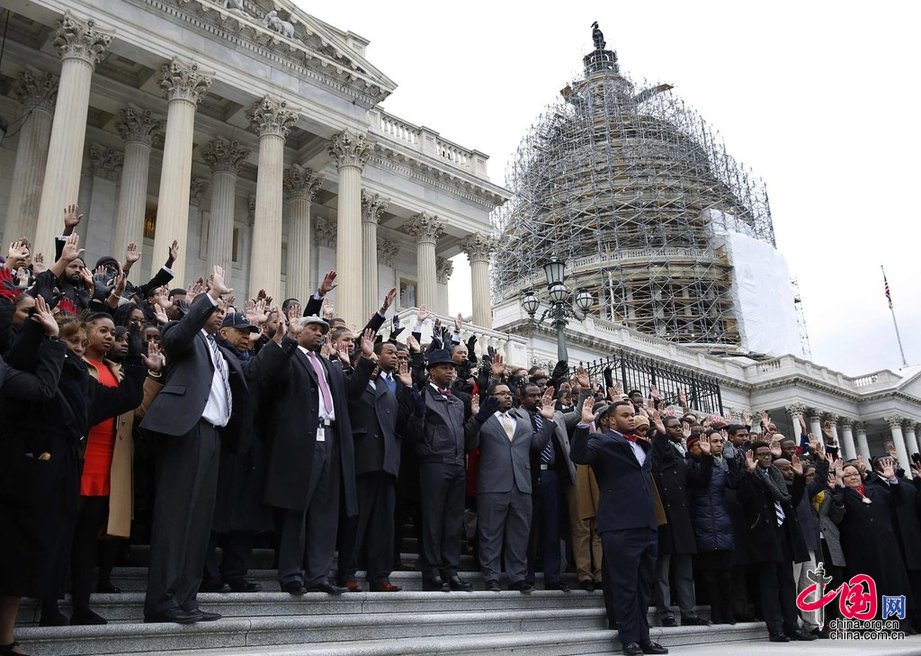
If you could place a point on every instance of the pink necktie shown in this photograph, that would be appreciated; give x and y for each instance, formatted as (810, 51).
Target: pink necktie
(321, 379)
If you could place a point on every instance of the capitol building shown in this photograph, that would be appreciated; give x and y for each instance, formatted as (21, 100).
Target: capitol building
(254, 134)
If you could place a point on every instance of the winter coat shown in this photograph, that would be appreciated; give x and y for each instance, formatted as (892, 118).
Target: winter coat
(707, 483)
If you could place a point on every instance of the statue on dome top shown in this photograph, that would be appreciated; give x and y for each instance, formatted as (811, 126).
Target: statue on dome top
(598, 37)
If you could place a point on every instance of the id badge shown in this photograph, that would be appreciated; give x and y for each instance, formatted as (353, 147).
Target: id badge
(321, 433)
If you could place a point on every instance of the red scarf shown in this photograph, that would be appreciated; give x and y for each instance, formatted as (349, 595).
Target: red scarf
(630, 436)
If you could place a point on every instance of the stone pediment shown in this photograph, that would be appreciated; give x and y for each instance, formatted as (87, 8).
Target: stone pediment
(286, 30)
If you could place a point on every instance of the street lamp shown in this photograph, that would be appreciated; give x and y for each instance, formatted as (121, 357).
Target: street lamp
(559, 310)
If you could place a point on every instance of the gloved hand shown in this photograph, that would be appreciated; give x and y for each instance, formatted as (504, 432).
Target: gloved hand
(487, 409)
(135, 341)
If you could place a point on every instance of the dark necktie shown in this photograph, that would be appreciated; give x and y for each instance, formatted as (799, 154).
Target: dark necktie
(546, 456)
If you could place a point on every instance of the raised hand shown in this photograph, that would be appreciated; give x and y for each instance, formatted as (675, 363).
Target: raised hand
(71, 250)
(588, 410)
(422, 314)
(582, 377)
(72, 218)
(119, 287)
(413, 344)
(38, 263)
(218, 288)
(750, 463)
(154, 360)
(173, 254)
(367, 343)
(797, 465)
(458, 322)
(746, 418)
(282, 328)
(498, 365)
(887, 467)
(329, 284)
(776, 448)
(654, 394)
(685, 430)
(388, 300)
(682, 398)
(132, 254)
(42, 315)
(249, 311)
(547, 404)
(160, 314)
(17, 255)
(475, 404)
(839, 471)
(403, 374)
(828, 433)
(704, 445)
(22, 277)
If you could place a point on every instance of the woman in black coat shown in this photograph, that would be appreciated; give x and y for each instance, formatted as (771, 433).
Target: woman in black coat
(707, 483)
(867, 533)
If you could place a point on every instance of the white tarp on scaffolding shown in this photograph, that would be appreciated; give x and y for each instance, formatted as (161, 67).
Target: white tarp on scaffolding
(761, 290)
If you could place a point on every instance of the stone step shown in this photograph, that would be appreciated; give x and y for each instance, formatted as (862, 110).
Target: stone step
(129, 606)
(124, 638)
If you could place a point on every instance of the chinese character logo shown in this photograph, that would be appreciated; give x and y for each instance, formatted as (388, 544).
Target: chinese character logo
(857, 598)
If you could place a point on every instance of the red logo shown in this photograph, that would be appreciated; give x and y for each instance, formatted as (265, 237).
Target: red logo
(857, 598)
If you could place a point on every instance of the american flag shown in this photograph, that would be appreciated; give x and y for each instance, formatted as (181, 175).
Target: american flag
(886, 289)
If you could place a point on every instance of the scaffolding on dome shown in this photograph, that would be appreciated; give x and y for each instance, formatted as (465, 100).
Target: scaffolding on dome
(637, 194)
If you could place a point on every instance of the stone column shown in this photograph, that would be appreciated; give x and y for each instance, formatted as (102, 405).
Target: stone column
(895, 425)
(138, 128)
(478, 248)
(105, 165)
(862, 445)
(815, 423)
(426, 228)
(372, 208)
(37, 94)
(350, 151)
(301, 185)
(846, 440)
(81, 46)
(847, 436)
(270, 119)
(911, 440)
(185, 85)
(443, 270)
(796, 412)
(225, 158)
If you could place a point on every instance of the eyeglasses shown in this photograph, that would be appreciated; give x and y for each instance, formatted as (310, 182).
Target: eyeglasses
(851, 475)
(501, 393)
(763, 455)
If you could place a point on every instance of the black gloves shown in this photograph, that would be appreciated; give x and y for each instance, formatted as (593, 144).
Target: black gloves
(487, 409)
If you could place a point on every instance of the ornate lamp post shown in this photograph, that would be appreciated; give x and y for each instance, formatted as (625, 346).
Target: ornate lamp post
(559, 310)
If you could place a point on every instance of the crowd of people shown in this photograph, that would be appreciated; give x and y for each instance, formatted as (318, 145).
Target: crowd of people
(139, 413)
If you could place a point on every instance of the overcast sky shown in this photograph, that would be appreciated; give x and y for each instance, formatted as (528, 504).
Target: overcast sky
(818, 98)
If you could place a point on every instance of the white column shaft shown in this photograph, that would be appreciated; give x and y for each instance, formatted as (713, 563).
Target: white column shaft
(862, 444)
(369, 293)
(265, 266)
(847, 442)
(479, 279)
(911, 441)
(28, 174)
(899, 441)
(298, 283)
(426, 273)
(220, 226)
(351, 270)
(815, 427)
(132, 197)
(61, 184)
(175, 178)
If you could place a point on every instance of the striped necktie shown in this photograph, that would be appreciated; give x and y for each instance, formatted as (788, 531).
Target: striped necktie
(546, 456)
(221, 366)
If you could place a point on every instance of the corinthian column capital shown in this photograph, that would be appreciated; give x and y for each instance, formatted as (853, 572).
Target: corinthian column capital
(301, 182)
(136, 124)
(105, 162)
(425, 227)
(184, 81)
(224, 155)
(386, 251)
(895, 422)
(372, 207)
(443, 269)
(77, 39)
(349, 148)
(271, 116)
(36, 90)
(478, 246)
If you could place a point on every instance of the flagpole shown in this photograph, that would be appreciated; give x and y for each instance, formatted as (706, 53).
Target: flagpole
(895, 323)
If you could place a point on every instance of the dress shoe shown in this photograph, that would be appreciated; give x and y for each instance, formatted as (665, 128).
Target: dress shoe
(327, 587)
(633, 649)
(293, 587)
(435, 585)
(204, 616)
(176, 615)
(556, 585)
(352, 586)
(588, 585)
(7, 650)
(650, 647)
(522, 586)
(668, 620)
(694, 620)
(87, 618)
(243, 585)
(457, 585)
(493, 586)
(802, 636)
(778, 637)
(53, 619)
(385, 586)
(213, 585)
(821, 634)
(106, 587)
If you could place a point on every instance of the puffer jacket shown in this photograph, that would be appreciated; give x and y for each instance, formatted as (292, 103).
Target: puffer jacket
(707, 483)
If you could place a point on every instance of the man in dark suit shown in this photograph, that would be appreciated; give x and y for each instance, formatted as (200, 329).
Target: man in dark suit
(378, 423)
(437, 428)
(506, 440)
(203, 401)
(311, 454)
(626, 517)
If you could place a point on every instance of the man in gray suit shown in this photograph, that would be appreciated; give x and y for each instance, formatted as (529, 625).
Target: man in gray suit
(506, 441)
(204, 400)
